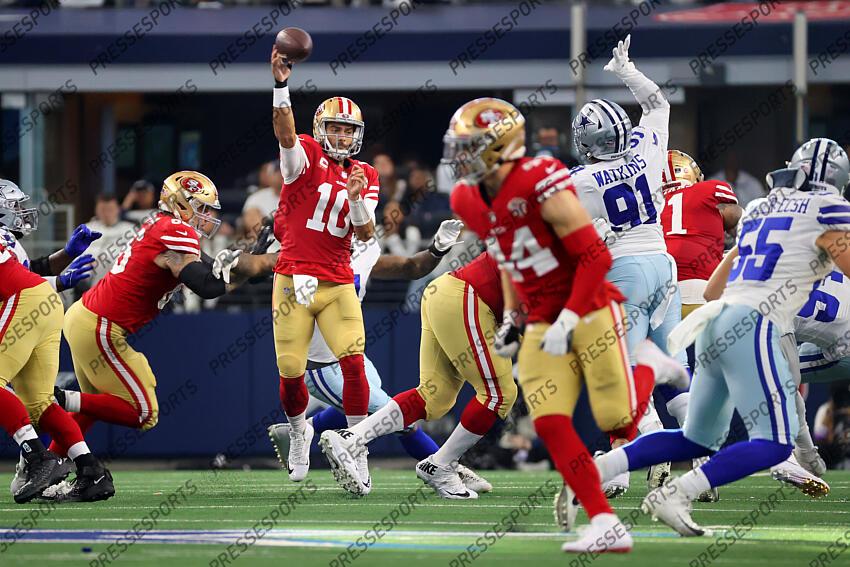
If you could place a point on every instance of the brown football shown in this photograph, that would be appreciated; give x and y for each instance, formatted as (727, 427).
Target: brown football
(294, 44)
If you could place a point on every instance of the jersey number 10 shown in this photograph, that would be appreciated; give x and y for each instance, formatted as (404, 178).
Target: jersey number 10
(317, 223)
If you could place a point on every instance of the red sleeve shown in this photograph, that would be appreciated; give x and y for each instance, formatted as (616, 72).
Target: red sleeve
(719, 192)
(176, 235)
(373, 187)
(593, 260)
(556, 177)
(312, 150)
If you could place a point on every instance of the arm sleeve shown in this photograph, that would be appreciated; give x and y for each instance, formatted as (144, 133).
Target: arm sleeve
(199, 278)
(593, 260)
(41, 266)
(656, 109)
(834, 214)
(293, 161)
(370, 194)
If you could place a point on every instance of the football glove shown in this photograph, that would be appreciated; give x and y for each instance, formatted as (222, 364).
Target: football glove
(78, 270)
(508, 336)
(264, 238)
(619, 62)
(447, 234)
(80, 240)
(558, 338)
(223, 262)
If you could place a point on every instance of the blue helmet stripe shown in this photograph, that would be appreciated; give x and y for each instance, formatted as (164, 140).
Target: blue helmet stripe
(598, 102)
(620, 114)
(814, 162)
(825, 159)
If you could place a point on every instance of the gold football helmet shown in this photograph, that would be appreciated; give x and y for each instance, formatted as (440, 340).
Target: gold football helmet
(681, 171)
(483, 134)
(191, 196)
(345, 111)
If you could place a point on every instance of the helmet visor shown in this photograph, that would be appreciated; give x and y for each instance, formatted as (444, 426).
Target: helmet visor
(463, 155)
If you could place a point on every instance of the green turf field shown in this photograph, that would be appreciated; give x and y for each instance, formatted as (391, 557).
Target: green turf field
(198, 514)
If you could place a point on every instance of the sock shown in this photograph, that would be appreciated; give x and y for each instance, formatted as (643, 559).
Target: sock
(297, 422)
(72, 401)
(743, 459)
(412, 406)
(662, 446)
(418, 444)
(804, 435)
(650, 421)
(477, 418)
(386, 420)
(573, 462)
(111, 409)
(13, 414)
(644, 380)
(58, 423)
(30, 448)
(693, 483)
(84, 460)
(352, 420)
(84, 422)
(77, 450)
(458, 443)
(678, 407)
(328, 418)
(293, 398)
(355, 387)
(612, 463)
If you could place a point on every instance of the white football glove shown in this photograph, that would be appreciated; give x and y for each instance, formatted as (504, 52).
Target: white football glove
(558, 338)
(508, 336)
(223, 262)
(447, 234)
(619, 62)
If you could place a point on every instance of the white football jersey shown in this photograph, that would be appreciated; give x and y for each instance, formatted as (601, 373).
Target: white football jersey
(9, 241)
(825, 318)
(624, 195)
(778, 261)
(363, 259)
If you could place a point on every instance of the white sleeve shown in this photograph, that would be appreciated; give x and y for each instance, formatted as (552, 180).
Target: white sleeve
(656, 109)
(293, 161)
(51, 280)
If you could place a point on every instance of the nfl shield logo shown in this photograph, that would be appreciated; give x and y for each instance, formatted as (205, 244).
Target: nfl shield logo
(491, 216)
(518, 207)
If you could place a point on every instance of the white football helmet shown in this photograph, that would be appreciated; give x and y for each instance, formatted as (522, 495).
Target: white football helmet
(12, 215)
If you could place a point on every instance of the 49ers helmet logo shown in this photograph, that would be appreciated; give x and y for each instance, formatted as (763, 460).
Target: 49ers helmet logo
(191, 184)
(488, 116)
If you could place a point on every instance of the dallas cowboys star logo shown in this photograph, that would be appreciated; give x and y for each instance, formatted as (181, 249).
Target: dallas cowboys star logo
(585, 122)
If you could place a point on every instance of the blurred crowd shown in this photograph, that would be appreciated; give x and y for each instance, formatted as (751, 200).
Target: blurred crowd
(337, 3)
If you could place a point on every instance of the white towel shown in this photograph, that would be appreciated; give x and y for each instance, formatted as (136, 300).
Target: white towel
(686, 332)
(660, 312)
(305, 288)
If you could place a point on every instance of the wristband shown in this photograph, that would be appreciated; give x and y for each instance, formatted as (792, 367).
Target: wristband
(280, 84)
(438, 253)
(357, 213)
(281, 98)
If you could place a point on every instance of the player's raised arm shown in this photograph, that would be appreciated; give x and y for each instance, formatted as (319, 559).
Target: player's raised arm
(656, 109)
(292, 156)
(422, 263)
(717, 282)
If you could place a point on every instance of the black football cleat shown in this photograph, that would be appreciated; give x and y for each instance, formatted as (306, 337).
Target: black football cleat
(92, 484)
(42, 470)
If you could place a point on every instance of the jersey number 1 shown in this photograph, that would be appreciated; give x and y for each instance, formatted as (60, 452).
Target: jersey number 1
(333, 225)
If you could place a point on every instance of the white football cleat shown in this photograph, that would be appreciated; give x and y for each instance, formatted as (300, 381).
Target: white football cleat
(444, 479)
(667, 369)
(790, 472)
(342, 449)
(298, 461)
(672, 507)
(712, 494)
(810, 460)
(472, 480)
(20, 478)
(566, 508)
(279, 436)
(657, 475)
(362, 462)
(605, 534)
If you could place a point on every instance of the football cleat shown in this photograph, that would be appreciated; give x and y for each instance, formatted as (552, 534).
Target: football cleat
(657, 474)
(810, 460)
(566, 508)
(279, 436)
(41, 471)
(298, 461)
(20, 477)
(605, 534)
(617, 486)
(667, 369)
(673, 508)
(710, 495)
(362, 462)
(790, 472)
(342, 449)
(472, 480)
(92, 484)
(444, 479)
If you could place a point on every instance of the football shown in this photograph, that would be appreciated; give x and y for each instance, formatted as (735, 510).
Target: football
(294, 43)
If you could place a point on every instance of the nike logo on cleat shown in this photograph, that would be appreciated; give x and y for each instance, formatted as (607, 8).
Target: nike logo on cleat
(428, 468)
(460, 494)
(98, 480)
(344, 433)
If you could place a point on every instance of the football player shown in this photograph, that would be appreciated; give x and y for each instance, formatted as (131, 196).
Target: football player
(327, 196)
(460, 314)
(527, 212)
(621, 189)
(792, 242)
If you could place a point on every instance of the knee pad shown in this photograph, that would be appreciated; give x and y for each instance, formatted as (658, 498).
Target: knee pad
(290, 365)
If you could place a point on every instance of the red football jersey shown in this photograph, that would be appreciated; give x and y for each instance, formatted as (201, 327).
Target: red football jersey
(693, 227)
(13, 276)
(522, 242)
(311, 222)
(484, 277)
(129, 295)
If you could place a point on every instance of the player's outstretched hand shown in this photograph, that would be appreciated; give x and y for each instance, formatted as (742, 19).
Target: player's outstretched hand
(447, 234)
(78, 270)
(558, 338)
(508, 336)
(281, 68)
(224, 262)
(80, 240)
(620, 57)
(356, 182)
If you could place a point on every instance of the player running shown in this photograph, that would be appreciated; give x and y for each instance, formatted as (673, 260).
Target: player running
(781, 253)
(324, 377)
(326, 197)
(460, 314)
(526, 211)
(621, 189)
